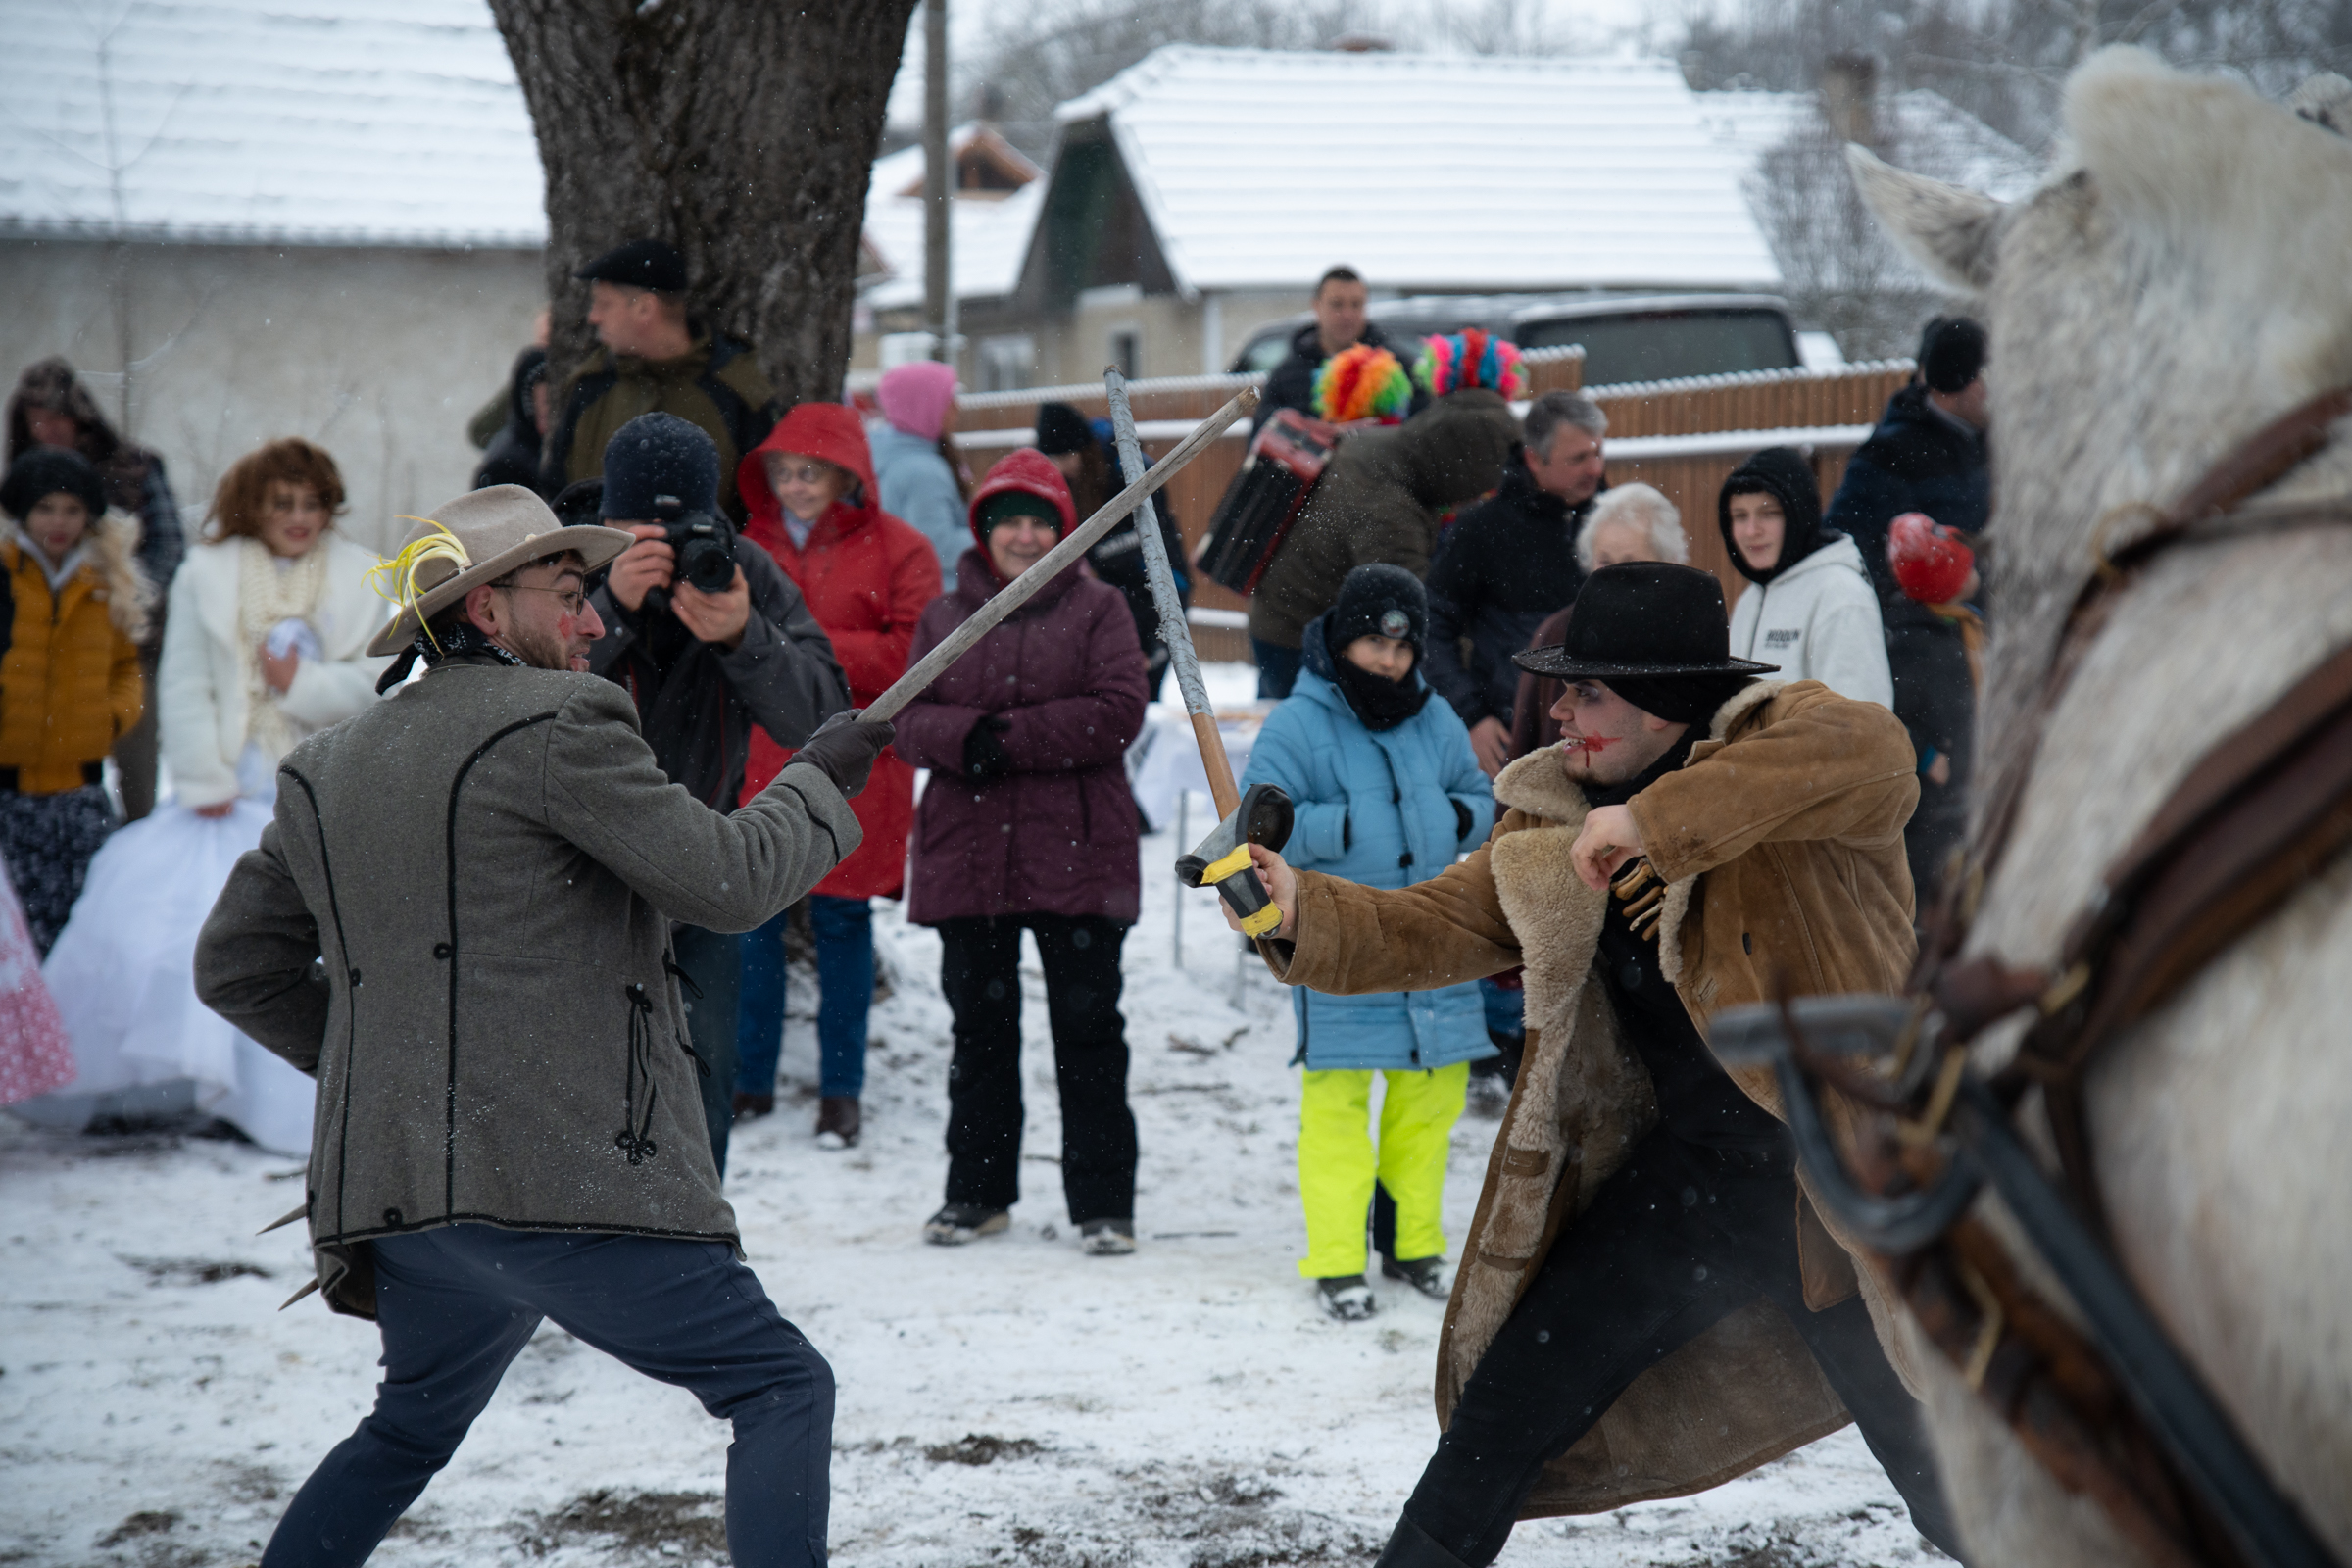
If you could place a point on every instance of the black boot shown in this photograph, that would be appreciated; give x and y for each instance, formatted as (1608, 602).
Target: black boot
(1411, 1547)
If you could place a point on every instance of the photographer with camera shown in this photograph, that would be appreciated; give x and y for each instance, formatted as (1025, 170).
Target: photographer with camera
(710, 639)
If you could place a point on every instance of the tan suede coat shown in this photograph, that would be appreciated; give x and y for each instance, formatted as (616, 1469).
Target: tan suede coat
(1782, 845)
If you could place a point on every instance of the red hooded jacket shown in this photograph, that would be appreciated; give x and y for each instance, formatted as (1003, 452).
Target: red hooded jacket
(1063, 674)
(867, 577)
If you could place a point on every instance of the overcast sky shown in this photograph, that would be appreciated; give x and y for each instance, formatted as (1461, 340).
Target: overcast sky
(1598, 24)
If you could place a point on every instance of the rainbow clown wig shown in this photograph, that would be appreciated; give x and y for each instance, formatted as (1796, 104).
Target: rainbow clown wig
(1362, 383)
(1470, 359)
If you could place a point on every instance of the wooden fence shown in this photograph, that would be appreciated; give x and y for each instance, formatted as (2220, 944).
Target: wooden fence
(1684, 437)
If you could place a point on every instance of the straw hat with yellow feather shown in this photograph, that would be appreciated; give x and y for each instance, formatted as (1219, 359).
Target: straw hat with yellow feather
(471, 541)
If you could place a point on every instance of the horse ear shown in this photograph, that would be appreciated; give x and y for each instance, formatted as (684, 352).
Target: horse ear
(1949, 231)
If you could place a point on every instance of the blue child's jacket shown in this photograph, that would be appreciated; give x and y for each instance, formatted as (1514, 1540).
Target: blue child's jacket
(1379, 809)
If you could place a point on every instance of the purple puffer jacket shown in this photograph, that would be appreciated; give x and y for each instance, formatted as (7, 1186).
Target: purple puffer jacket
(1058, 835)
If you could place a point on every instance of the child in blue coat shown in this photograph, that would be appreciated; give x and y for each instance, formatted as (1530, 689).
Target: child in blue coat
(1388, 793)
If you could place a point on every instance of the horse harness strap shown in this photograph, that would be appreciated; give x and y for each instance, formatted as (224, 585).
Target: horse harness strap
(2259, 814)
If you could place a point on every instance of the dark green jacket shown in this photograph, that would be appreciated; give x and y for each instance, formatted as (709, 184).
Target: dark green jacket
(1381, 500)
(716, 384)
(459, 924)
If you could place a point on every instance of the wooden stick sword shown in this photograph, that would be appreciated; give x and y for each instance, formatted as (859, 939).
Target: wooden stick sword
(1263, 815)
(1020, 590)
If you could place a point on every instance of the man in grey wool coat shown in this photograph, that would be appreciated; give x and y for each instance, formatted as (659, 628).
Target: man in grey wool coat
(459, 924)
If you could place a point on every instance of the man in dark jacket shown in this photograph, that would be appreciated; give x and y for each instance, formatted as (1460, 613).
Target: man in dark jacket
(1927, 455)
(704, 669)
(1507, 563)
(1340, 323)
(458, 923)
(654, 359)
(1380, 499)
(1081, 451)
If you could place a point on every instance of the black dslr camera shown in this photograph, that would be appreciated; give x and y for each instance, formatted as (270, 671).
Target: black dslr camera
(705, 547)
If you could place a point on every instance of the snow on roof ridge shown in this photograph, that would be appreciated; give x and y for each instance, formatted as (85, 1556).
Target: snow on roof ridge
(1109, 96)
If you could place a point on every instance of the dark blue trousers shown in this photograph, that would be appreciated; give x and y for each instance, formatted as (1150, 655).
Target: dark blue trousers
(458, 1304)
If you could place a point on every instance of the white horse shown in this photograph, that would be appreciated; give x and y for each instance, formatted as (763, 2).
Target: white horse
(2182, 279)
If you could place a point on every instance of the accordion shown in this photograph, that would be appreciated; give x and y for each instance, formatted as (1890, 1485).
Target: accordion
(1286, 458)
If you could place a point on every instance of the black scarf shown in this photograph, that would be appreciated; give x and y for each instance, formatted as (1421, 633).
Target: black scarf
(457, 640)
(1378, 701)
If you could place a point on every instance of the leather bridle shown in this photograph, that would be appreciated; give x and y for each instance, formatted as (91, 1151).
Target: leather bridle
(2113, 1409)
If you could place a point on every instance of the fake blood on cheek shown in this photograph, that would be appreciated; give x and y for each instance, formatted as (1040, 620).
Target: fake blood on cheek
(1589, 743)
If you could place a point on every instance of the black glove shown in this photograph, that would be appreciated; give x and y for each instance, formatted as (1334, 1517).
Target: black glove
(982, 753)
(843, 749)
(1462, 821)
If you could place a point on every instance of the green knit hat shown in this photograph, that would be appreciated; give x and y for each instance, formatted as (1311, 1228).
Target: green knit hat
(1006, 505)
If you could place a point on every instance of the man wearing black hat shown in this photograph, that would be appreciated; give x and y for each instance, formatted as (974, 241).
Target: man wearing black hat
(654, 358)
(1078, 451)
(1927, 455)
(1647, 1305)
(703, 668)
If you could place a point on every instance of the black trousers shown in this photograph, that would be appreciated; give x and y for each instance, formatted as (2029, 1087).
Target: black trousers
(1935, 696)
(979, 970)
(1676, 1241)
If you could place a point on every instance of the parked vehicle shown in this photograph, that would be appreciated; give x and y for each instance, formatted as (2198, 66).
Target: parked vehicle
(1626, 337)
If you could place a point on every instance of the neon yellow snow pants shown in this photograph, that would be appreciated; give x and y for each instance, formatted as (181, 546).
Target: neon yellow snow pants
(1337, 1162)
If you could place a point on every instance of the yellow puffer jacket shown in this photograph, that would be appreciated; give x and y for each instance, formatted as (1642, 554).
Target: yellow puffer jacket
(70, 678)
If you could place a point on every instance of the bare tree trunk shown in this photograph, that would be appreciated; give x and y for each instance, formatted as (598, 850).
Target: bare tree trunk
(739, 131)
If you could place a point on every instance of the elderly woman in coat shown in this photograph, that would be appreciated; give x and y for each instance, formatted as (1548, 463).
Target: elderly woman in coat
(1027, 822)
(1387, 790)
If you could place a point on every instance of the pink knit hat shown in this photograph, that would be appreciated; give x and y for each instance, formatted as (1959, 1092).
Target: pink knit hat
(914, 397)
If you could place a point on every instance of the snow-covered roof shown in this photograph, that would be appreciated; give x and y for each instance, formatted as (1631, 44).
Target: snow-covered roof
(987, 236)
(1923, 130)
(304, 121)
(1262, 168)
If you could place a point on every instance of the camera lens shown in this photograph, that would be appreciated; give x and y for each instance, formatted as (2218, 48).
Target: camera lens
(705, 549)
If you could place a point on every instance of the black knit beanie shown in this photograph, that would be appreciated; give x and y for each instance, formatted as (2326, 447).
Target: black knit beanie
(659, 457)
(1378, 600)
(1951, 354)
(45, 471)
(1061, 428)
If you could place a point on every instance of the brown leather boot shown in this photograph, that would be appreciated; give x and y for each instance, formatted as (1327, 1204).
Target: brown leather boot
(837, 1121)
(747, 1107)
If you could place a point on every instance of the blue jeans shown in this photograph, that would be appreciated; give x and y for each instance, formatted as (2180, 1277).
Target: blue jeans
(1277, 669)
(456, 1304)
(844, 986)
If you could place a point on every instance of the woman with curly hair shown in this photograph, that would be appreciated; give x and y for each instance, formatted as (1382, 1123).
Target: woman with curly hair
(265, 642)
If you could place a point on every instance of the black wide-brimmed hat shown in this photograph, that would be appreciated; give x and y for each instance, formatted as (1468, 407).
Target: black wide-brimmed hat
(1645, 621)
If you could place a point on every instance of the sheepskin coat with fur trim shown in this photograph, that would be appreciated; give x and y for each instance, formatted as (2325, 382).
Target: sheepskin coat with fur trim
(1782, 844)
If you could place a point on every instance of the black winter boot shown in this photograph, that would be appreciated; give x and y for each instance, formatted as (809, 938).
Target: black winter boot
(1411, 1547)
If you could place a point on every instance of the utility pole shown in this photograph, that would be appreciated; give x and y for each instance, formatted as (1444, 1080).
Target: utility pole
(938, 186)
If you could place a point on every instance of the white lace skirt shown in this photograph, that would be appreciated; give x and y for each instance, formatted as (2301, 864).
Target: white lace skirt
(123, 974)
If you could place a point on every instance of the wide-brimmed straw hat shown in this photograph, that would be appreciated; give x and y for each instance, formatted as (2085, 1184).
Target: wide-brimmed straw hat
(476, 539)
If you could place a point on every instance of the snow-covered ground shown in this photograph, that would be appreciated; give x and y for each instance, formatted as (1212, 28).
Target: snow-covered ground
(1012, 1401)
